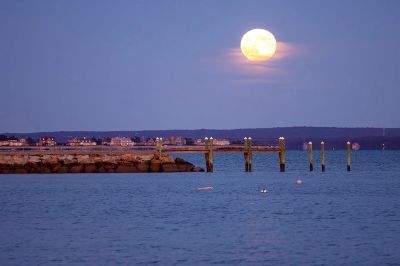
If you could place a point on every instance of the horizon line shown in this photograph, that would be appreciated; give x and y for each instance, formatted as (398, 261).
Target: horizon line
(250, 128)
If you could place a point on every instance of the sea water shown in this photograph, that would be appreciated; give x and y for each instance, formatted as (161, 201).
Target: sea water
(332, 218)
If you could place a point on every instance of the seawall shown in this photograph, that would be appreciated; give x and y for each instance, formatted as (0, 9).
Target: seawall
(36, 163)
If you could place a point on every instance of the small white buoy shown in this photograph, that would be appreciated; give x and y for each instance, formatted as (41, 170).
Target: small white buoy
(299, 182)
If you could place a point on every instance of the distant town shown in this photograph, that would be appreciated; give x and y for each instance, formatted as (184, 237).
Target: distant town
(108, 141)
(297, 138)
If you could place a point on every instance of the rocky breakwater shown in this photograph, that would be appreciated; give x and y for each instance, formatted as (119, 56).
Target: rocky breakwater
(20, 163)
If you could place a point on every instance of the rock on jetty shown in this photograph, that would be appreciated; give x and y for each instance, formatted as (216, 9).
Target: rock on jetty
(23, 163)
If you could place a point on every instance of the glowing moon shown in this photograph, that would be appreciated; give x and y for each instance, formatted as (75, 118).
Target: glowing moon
(258, 45)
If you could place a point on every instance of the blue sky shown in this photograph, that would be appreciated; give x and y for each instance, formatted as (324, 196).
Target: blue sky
(131, 65)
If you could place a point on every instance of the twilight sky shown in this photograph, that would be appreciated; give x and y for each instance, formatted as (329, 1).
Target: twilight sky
(131, 65)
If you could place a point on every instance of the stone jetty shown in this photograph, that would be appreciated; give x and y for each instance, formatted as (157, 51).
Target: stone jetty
(36, 163)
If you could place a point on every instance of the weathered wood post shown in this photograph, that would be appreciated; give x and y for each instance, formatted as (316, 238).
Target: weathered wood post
(158, 146)
(246, 154)
(207, 154)
(310, 158)
(348, 156)
(211, 158)
(323, 156)
(282, 154)
(250, 154)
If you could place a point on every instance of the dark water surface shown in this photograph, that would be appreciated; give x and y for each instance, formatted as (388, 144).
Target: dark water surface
(336, 218)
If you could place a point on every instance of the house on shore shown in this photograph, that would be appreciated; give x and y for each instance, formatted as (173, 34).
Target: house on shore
(221, 142)
(174, 141)
(199, 142)
(217, 142)
(46, 141)
(13, 142)
(119, 141)
(81, 142)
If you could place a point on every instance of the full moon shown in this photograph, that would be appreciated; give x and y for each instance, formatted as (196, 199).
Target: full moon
(258, 45)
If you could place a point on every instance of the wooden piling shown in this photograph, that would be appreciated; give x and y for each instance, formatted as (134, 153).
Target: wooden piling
(250, 154)
(323, 156)
(310, 158)
(282, 154)
(246, 154)
(160, 147)
(211, 157)
(348, 156)
(207, 154)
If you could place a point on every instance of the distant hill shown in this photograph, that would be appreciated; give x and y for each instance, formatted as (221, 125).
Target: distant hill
(335, 137)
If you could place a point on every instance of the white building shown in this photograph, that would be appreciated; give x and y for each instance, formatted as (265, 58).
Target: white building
(217, 142)
(81, 142)
(13, 142)
(221, 142)
(46, 141)
(198, 142)
(121, 141)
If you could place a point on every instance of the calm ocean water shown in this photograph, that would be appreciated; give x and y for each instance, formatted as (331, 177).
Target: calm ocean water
(336, 218)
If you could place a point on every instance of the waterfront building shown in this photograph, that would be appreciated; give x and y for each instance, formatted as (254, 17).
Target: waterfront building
(180, 141)
(189, 141)
(167, 141)
(121, 141)
(81, 142)
(46, 141)
(13, 142)
(3, 142)
(217, 142)
(73, 142)
(221, 142)
(106, 141)
(175, 141)
(199, 142)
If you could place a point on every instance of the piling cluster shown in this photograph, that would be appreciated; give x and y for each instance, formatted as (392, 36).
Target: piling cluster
(248, 154)
(310, 156)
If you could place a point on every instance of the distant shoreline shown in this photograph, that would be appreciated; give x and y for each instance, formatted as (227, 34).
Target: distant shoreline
(368, 138)
(116, 149)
